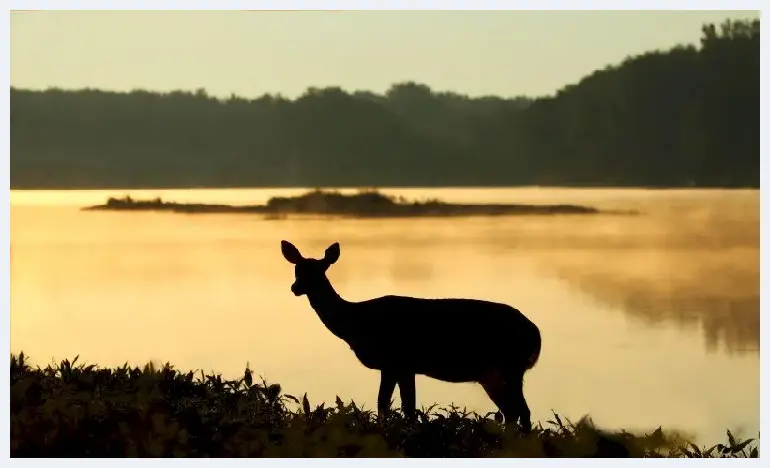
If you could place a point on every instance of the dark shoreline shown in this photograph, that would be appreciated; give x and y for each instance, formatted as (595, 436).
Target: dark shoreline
(365, 204)
(31, 187)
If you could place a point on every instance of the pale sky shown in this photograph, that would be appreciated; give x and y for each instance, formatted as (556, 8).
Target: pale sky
(506, 53)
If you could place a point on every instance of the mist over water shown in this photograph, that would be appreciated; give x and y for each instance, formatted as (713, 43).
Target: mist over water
(646, 320)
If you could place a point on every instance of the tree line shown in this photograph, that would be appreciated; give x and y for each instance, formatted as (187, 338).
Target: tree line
(688, 116)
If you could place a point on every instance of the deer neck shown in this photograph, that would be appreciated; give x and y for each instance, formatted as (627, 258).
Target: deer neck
(330, 307)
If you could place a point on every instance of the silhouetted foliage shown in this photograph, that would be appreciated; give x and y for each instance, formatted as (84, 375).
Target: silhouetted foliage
(688, 116)
(70, 410)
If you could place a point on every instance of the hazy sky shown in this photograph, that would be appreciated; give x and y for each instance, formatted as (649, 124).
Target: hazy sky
(250, 53)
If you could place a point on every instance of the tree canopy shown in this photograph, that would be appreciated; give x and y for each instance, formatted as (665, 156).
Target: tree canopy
(688, 116)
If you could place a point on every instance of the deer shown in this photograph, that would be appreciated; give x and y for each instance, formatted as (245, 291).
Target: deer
(452, 340)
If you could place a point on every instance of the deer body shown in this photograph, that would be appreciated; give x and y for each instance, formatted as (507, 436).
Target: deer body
(453, 340)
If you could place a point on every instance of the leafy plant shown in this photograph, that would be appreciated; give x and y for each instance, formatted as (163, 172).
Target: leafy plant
(76, 410)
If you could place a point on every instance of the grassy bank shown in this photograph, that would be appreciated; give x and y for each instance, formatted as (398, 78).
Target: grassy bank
(83, 410)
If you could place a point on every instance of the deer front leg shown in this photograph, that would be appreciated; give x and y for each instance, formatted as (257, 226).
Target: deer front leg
(388, 381)
(406, 387)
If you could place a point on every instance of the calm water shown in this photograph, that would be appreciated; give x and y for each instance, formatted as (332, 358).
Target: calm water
(646, 321)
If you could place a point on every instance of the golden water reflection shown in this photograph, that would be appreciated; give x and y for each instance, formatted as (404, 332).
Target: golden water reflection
(625, 304)
(693, 264)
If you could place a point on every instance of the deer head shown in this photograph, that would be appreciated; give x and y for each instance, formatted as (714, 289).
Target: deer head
(309, 273)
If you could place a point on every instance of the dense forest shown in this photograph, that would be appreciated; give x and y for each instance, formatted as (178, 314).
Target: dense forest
(688, 116)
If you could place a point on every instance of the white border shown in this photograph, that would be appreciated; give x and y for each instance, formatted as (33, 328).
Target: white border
(5, 300)
(317, 4)
(384, 5)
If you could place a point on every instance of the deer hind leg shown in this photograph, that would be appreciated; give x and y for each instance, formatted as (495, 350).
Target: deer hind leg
(505, 389)
(495, 385)
(515, 392)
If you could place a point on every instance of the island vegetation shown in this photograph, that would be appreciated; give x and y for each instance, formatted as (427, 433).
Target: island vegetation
(683, 117)
(79, 410)
(363, 204)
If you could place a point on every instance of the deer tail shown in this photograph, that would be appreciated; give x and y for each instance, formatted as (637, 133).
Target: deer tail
(535, 355)
(533, 359)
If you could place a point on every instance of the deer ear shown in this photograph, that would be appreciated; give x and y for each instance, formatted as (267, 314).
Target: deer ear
(332, 253)
(290, 253)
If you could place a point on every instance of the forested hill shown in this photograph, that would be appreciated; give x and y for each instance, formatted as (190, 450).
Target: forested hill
(688, 116)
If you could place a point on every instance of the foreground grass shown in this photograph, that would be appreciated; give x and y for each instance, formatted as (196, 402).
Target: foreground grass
(79, 410)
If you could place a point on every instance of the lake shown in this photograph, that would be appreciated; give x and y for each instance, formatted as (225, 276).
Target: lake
(646, 320)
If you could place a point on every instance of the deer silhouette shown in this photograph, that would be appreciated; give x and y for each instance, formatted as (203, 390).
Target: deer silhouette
(453, 340)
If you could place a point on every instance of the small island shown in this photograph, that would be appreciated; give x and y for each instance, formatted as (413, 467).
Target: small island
(364, 204)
